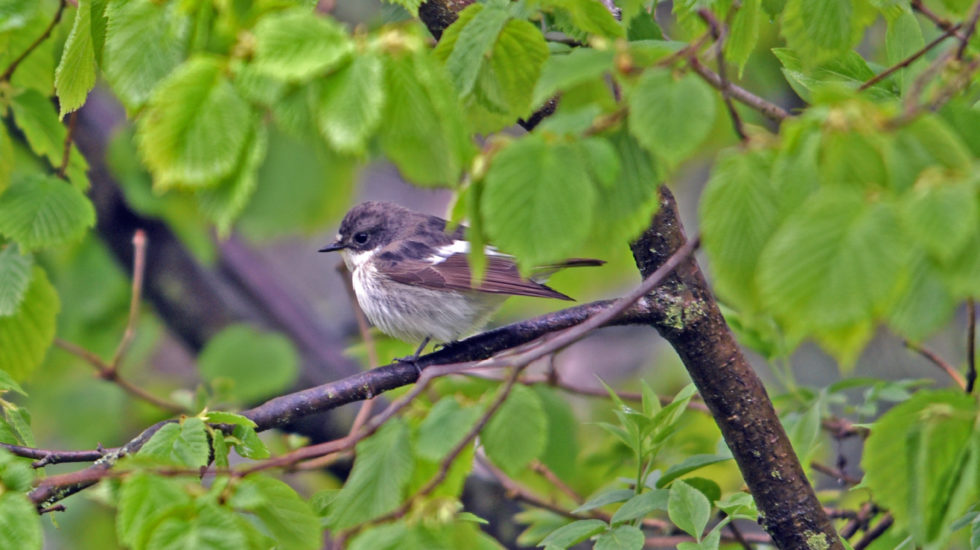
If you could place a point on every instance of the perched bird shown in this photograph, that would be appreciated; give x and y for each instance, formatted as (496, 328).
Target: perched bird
(412, 278)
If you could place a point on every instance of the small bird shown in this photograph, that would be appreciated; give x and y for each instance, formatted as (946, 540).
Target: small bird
(412, 278)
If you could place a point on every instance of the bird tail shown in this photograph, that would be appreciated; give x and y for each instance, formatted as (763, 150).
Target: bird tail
(541, 273)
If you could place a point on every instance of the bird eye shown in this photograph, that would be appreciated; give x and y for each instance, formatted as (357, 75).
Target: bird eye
(360, 238)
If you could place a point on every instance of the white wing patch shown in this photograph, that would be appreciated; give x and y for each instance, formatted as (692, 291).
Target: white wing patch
(460, 247)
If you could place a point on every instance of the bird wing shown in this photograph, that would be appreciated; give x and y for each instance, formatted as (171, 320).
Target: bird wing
(453, 273)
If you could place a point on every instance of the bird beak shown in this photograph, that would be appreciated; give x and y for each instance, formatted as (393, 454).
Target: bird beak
(333, 247)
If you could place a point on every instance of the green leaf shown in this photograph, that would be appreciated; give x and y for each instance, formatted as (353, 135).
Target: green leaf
(574, 533)
(444, 427)
(133, 29)
(848, 69)
(562, 72)
(15, 277)
(20, 524)
(932, 443)
(26, 335)
(562, 449)
(39, 211)
(624, 537)
(538, 201)
(6, 158)
(471, 43)
(518, 432)
(940, 214)
(690, 464)
(588, 17)
(926, 302)
(625, 209)
(739, 506)
(75, 75)
(744, 33)
(221, 417)
(287, 517)
(688, 508)
(423, 133)
(36, 71)
(224, 202)
(823, 30)
(671, 116)
(297, 44)
(14, 14)
(15, 474)
(35, 116)
(834, 262)
(902, 39)
(7, 383)
(258, 364)
(381, 471)
(249, 445)
(184, 444)
(739, 214)
(211, 528)
(604, 498)
(195, 126)
(144, 500)
(350, 104)
(641, 505)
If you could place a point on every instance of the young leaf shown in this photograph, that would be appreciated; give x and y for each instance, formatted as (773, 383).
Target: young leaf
(221, 417)
(39, 211)
(641, 505)
(624, 537)
(940, 214)
(538, 200)
(671, 116)
(902, 39)
(184, 444)
(6, 158)
(145, 499)
(382, 469)
(195, 126)
(26, 335)
(444, 427)
(224, 202)
(848, 69)
(296, 44)
(562, 450)
(744, 33)
(688, 508)
(603, 498)
(15, 277)
(248, 444)
(35, 116)
(517, 433)
(280, 510)
(479, 26)
(689, 465)
(625, 210)
(20, 525)
(134, 29)
(926, 301)
(258, 364)
(350, 104)
(210, 528)
(587, 17)
(823, 30)
(75, 74)
(573, 533)
(561, 72)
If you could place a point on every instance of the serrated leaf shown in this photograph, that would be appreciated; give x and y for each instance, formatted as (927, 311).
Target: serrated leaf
(518, 432)
(145, 499)
(669, 116)
(423, 132)
(20, 525)
(6, 158)
(249, 445)
(641, 505)
(689, 465)
(472, 43)
(15, 474)
(287, 517)
(926, 302)
(351, 102)
(184, 444)
(36, 118)
(744, 33)
(222, 417)
(833, 262)
(573, 533)
(624, 537)
(443, 428)
(588, 16)
(561, 72)
(195, 126)
(259, 364)
(538, 201)
(224, 202)
(15, 277)
(849, 69)
(134, 30)
(739, 214)
(26, 335)
(604, 498)
(39, 211)
(823, 30)
(211, 528)
(688, 508)
(75, 75)
(562, 449)
(296, 44)
(902, 39)
(940, 214)
(381, 471)
(623, 211)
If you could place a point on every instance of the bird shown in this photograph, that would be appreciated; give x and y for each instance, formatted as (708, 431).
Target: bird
(412, 278)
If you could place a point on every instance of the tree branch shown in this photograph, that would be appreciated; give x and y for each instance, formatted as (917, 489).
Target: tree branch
(908, 60)
(971, 345)
(935, 359)
(9, 72)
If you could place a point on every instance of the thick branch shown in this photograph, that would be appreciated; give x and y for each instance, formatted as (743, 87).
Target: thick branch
(687, 315)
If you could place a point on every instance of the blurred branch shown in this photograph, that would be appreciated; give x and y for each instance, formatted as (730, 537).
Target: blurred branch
(719, 33)
(879, 529)
(971, 345)
(9, 72)
(66, 146)
(943, 24)
(908, 60)
(45, 457)
(971, 27)
(139, 267)
(935, 359)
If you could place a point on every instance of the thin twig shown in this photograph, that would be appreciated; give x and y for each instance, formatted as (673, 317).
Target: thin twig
(738, 536)
(55, 508)
(139, 267)
(908, 60)
(971, 345)
(879, 529)
(672, 541)
(839, 475)
(935, 359)
(47, 32)
(66, 151)
(546, 473)
(971, 27)
(943, 24)
(45, 457)
(719, 33)
(768, 109)
(867, 510)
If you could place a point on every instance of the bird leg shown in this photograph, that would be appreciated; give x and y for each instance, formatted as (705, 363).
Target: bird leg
(414, 357)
